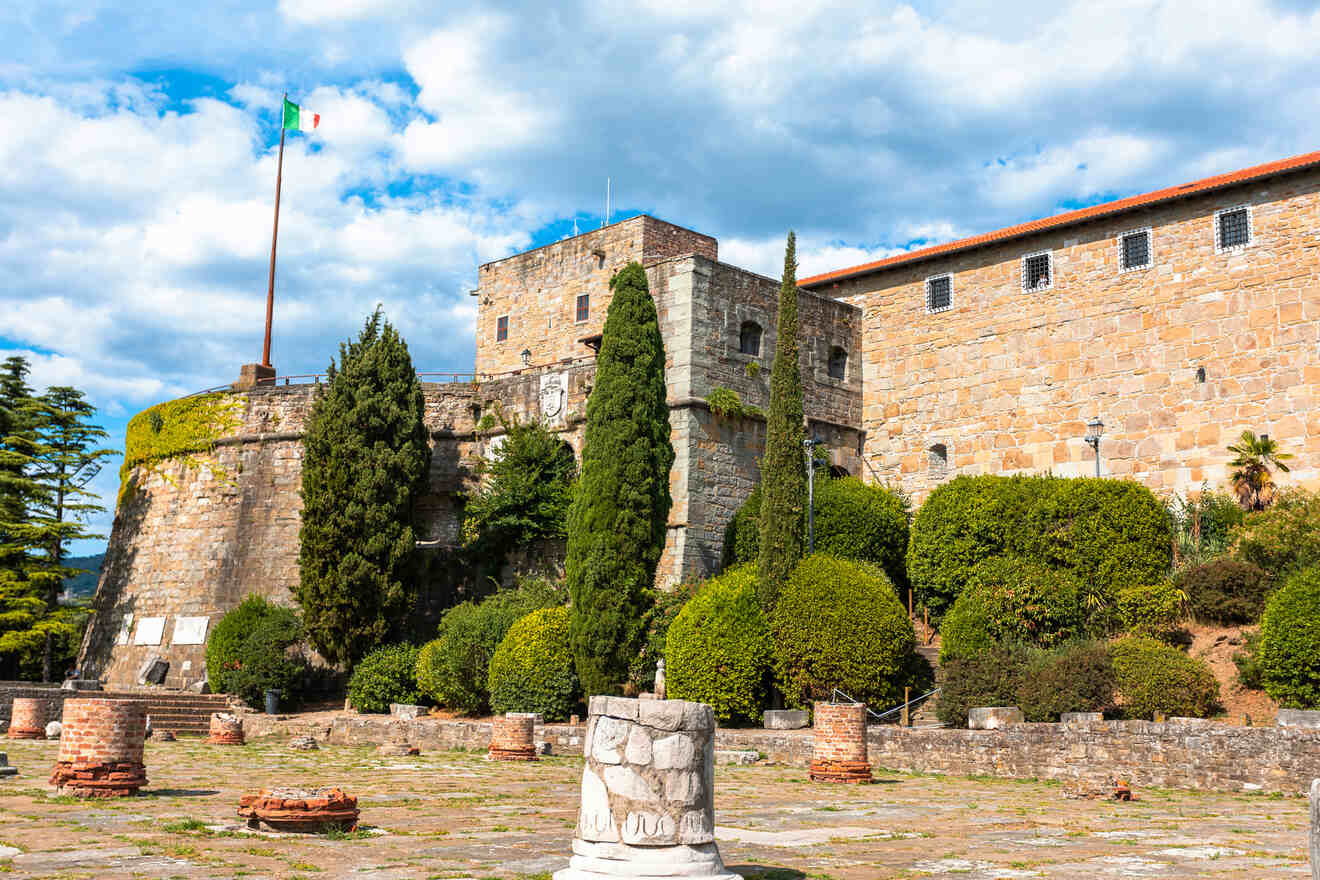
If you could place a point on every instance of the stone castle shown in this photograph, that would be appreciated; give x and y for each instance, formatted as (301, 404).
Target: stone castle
(1179, 317)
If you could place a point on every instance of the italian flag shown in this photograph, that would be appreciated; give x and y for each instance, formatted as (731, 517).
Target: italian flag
(298, 119)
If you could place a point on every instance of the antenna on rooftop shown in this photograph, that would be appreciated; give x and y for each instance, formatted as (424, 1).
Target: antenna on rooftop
(606, 221)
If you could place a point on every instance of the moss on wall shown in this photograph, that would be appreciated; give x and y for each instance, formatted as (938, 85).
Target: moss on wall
(176, 430)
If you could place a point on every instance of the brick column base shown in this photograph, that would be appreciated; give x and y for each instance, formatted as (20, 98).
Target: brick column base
(99, 780)
(27, 719)
(511, 739)
(838, 752)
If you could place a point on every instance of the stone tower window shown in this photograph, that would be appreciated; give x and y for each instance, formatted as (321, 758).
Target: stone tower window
(1232, 228)
(1037, 271)
(749, 338)
(838, 363)
(937, 461)
(583, 307)
(939, 293)
(1134, 250)
(501, 328)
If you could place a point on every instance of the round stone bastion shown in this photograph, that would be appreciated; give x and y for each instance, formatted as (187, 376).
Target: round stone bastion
(27, 719)
(101, 748)
(648, 793)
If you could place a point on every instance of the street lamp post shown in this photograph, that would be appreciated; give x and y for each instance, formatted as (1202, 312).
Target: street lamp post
(809, 445)
(1095, 429)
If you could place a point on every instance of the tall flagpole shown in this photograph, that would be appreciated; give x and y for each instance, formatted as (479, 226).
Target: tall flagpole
(274, 237)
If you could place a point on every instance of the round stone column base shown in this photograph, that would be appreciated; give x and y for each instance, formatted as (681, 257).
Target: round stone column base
(594, 861)
(521, 753)
(99, 780)
(27, 733)
(840, 771)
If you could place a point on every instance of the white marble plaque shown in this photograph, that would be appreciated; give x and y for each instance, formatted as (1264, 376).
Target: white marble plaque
(190, 630)
(125, 630)
(150, 630)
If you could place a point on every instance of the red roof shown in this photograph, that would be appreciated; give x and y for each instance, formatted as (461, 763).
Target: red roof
(1080, 216)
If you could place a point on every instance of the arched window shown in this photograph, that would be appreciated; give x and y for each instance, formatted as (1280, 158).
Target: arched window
(749, 338)
(937, 461)
(838, 362)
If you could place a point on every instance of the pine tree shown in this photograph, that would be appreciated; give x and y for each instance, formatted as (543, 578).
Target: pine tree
(783, 478)
(617, 522)
(365, 459)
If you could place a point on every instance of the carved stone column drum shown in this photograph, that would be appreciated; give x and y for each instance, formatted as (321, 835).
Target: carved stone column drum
(511, 738)
(101, 748)
(226, 730)
(838, 751)
(27, 718)
(648, 793)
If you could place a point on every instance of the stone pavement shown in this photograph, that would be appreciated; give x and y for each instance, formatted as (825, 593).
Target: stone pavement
(456, 815)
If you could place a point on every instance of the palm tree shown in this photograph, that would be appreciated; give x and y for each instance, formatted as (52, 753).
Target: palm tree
(1251, 476)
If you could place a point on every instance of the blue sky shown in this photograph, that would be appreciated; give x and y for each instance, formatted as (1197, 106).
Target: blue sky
(137, 150)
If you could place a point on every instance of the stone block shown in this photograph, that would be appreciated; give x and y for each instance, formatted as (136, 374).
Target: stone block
(1314, 837)
(406, 711)
(736, 756)
(54, 730)
(784, 719)
(153, 670)
(993, 717)
(5, 769)
(1081, 717)
(1298, 718)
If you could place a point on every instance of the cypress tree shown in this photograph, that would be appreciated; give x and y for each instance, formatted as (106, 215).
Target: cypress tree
(365, 459)
(616, 524)
(783, 479)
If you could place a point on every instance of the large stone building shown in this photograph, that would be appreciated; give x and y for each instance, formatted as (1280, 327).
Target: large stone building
(1180, 318)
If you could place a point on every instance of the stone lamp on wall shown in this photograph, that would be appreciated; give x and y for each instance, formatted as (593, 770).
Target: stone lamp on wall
(1095, 429)
(526, 356)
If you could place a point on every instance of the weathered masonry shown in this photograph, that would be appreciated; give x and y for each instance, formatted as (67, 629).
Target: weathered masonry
(1180, 318)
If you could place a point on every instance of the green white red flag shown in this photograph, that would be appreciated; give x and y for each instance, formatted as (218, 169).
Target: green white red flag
(298, 119)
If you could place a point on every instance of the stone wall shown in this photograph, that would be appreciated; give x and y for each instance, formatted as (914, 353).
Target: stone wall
(51, 697)
(1005, 380)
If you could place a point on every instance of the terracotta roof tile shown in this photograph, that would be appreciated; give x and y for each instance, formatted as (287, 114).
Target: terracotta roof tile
(1208, 184)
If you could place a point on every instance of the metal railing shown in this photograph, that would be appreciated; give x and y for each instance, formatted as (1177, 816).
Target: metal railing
(881, 716)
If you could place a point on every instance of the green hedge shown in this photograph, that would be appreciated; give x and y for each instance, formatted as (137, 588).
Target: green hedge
(1154, 677)
(1107, 533)
(1076, 677)
(1009, 600)
(989, 678)
(853, 521)
(1283, 539)
(718, 648)
(386, 675)
(532, 670)
(1226, 591)
(1290, 642)
(247, 652)
(1153, 610)
(453, 669)
(838, 624)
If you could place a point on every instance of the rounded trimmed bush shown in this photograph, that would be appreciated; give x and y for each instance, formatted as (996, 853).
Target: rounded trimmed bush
(1225, 591)
(1154, 610)
(248, 654)
(853, 521)
(1107, 533)
(990, 678)
(1076, 677)
(838, 624)
(1290, 642)
(718, 648)
(532, 670)
(1151, 677)
(457, 662)
(1015, 601)
(386, 675)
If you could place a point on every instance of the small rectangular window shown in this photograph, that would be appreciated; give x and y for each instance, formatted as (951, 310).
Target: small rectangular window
(583, 307)
(1134, 250)
(501, 328)
(1037, 271)
(1232, 228)
(939, 293)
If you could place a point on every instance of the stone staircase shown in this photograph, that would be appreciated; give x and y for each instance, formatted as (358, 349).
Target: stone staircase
(182, 713)
(924, 715)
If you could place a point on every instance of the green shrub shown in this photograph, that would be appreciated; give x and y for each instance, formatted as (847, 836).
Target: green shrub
(1203, 525)
(1107, 533)
(665, 607)
(1009, 600)
(248, 653)
(1225, 591)
(1290, 642)
(456, 663)
(532, 670)
(386, 675)
(838, 624)
(1154, 677)
(718, 650)
(1250, 672)
(1076, 677)
(853, 521)
(989, 678)
(1284, 538)
(1154, 610)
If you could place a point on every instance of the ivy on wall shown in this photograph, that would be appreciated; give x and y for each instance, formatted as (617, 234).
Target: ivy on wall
(726, 403)
(176, 430)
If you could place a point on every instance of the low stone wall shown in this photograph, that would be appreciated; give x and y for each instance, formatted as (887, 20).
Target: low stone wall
(1181, 753)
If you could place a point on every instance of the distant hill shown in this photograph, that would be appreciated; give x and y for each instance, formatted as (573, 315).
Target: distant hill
(84, 585)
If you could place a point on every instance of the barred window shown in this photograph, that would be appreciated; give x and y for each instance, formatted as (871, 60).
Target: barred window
(583, 307)
(1134, 250)
(1037, 272)
(501, 328)
(749, 338)
(838, 363)
(939, 293)
(1232, 228)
